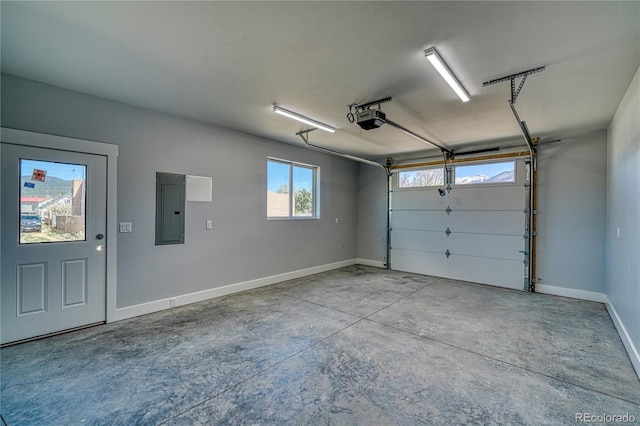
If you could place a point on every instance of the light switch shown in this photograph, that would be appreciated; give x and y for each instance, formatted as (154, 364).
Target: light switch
(209, 224)
(125, 226)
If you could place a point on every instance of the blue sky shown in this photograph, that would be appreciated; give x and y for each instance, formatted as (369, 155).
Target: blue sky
(278, 173)
(489, 169)
(60, 170)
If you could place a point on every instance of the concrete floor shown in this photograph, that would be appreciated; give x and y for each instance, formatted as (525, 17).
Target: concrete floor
(356, 346)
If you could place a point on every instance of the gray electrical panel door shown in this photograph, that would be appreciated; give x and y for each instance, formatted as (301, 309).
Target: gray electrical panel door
(170, 202)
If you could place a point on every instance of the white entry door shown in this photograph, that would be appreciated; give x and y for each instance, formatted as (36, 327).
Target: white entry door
(53, 227)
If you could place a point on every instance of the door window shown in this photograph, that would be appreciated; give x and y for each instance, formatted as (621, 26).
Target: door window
(52, 202)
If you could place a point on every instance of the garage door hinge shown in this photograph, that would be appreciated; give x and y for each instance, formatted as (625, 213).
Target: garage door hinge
(448, 210)
(447, 253)
(448, 232)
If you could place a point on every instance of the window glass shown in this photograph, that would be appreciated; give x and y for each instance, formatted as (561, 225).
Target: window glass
(303, 191)
(291, 189)
(52, 202)
(421, 178)
(486, 173)
(277, 189)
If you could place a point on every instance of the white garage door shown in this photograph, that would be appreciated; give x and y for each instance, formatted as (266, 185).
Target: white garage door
(474, 233)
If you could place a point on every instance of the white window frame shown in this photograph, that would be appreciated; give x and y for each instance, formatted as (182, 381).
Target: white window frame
(315, 199)
(481, 184)
(417, 169)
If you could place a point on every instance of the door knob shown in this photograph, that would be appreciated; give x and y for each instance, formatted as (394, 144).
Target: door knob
(99, 237)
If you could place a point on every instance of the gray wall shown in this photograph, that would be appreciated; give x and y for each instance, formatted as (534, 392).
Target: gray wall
(571, 212)
(372, 214)
(243, 245)
(623, 211)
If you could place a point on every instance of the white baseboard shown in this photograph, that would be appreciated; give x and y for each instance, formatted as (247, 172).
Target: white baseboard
(634, 355)
(137, 310)
(572, 293)
(369, 262)
(186, 299)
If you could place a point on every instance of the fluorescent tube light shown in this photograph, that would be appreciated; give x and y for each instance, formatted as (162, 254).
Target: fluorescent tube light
(303, 119)
(446, 73)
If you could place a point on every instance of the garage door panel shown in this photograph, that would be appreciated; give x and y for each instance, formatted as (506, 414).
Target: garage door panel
(418, 240)
(479, 245)
(483, 222)
(498, 272)
(422, 199)
(422, 220)
(475, 198)
(420, 262)
(461, 198)
(490, 246)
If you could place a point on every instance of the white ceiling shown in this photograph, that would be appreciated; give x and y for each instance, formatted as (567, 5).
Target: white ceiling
(227, 63)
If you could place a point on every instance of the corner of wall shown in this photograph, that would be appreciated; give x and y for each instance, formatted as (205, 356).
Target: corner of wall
(632, 350)
(370, 262)
(622, 250)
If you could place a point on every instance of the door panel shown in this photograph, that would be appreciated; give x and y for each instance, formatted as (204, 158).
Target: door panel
(506, 222)
(53, 266)
(497, 272)
(461, 198)
(32, 289)
(74, 282)
(424, 220)
(482, 245)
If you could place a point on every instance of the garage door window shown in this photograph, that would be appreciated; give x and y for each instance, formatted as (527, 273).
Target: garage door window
(291, 190)
(421, 178)
(487, 173)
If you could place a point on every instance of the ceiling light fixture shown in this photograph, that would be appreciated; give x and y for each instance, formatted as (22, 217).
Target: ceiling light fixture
(432, 55)
(303, 119)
